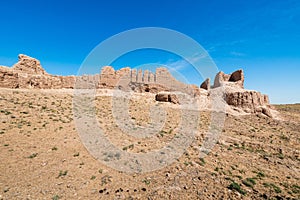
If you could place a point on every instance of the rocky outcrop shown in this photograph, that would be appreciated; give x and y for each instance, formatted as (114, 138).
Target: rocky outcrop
(167, 97)
(8, 79)
(110, 78)
(238, 78)
(28, 73)
(236, 96)
(249, 101)
(220, 79)
(234, 79)
(67, 81)
(173, 99)
(206, 84)
(28, 65)
(162, 97)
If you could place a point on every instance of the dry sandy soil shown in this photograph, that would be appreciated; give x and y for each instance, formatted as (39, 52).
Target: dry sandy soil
(42, 156)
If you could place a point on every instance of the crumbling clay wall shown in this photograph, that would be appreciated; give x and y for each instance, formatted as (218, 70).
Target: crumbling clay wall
(28, 73)
(235, 79)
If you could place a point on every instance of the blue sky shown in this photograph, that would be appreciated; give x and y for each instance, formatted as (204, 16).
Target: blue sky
(260, 36)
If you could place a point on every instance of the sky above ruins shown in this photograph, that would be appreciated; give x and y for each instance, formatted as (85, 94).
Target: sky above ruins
(260, 36)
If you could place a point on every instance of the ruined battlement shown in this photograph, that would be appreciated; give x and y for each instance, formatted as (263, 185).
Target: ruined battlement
(111, 78)
(28, 73)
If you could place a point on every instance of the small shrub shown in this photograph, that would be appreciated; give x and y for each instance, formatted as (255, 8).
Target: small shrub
(7, 112)
(235, 186)
(261, 175)
(229, 179)
(272, 185)
(280, 156)
(295, 189)
(128, 147)
(202, 161)
(33, 155)
(146, 181)
(276, 188)
(284, 137)
(249, 182)
(106, 179)
(56, 197)
(62, 173)
(76, 154)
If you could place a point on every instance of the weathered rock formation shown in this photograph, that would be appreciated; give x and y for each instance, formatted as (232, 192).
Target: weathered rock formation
(248, 101)
(28, 73)
(29, 65)
(206, 84)
(167, 97)
(234, 79)
(236, 96)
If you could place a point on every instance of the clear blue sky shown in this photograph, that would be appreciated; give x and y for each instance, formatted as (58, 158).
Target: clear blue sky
(260, 36)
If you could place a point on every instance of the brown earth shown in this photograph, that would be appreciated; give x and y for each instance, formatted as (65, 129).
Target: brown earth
(42, 156)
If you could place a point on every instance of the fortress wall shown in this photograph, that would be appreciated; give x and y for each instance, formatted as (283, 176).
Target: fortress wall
(146, 77)
(8, 79)
(139, 76)
(133, 75)
(151, 78)
(28, 73)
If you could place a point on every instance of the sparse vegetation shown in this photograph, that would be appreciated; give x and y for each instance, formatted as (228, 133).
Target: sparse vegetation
(235, 186)
(62, 173)
(128, 147)
(244, 157)
(202, 161)
(54, 149)
(56, 197)
(249, 182)
(146, 181)
(76, 154)
(33, 155)
(106, 179)
(273, 186)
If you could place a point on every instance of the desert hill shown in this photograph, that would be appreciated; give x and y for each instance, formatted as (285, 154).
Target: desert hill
(256, 155)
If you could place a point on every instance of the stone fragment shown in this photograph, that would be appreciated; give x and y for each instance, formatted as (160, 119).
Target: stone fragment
(206, 84)
(236, 79)
(162, 97)
(167, 97)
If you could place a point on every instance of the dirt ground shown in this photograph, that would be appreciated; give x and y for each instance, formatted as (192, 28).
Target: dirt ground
(42, 156)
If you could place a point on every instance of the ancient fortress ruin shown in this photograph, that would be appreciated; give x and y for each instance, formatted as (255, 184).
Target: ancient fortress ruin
(28, 73)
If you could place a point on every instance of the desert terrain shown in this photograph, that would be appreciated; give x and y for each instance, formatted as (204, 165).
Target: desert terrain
(42, 156)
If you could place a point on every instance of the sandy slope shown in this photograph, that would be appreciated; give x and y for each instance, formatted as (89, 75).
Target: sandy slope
(42, 156)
